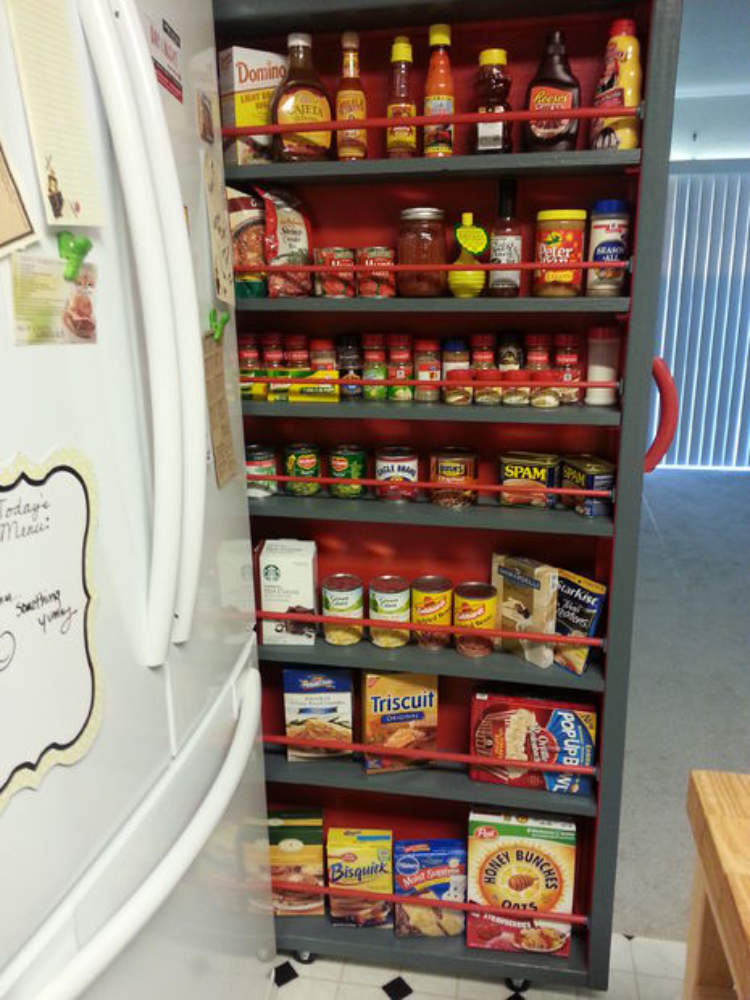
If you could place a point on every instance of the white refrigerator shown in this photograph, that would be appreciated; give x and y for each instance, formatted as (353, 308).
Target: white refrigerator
(133, 857)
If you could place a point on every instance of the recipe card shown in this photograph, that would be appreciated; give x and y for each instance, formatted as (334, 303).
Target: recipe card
(16, 229)
(48, 309)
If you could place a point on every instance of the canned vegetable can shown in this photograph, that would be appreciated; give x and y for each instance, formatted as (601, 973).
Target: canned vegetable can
(475, 606)
(376, 284)
(347, 461)
(389, 600)
(342, 596)
(302, 460)
(395, 468)
(453, 466)
(260, 461)
(431, 599)
(339, 285)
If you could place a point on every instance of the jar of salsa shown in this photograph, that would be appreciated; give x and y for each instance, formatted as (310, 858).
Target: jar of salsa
(493, 85)
(559, 240)
(421, 241)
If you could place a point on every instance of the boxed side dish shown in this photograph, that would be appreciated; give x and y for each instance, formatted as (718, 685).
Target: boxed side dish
(399, 711)
(317, 706)
(296, 855)
(435, 869)
(287, 571)
(527, 600)
(247, 81)
(360, 859)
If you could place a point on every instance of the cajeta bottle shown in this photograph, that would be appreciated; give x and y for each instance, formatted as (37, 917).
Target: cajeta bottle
(620, 83)
(505, 245)
(472, 241)
(401, 140)
(554, 88)
(301, 98)
(351, 144)
(439, 94)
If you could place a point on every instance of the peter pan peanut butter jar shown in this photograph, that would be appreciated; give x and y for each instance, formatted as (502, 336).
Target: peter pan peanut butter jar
(559, 239)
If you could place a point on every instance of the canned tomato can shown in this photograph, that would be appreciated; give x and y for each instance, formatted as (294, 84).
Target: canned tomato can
(431, 598)
(338, 285)
(395, 468)
(342, 596)
(390, 600)
(347, 461)
(302, 460)
(452, 465)
(260, 461)
(376, 284)
(475, 607)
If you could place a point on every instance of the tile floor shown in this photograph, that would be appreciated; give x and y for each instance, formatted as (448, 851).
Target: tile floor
(642, 969)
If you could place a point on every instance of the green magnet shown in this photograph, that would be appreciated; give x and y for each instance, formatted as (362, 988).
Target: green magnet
(217, 322)
(72, 249)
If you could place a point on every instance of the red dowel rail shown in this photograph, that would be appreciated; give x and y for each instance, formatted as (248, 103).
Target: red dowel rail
(308, 888)
(285, 380)
(551, 638)
(347, 268)
(448, 756)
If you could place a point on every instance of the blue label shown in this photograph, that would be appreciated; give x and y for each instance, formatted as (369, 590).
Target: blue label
(609, 250)
(574, 747)
(316, 680)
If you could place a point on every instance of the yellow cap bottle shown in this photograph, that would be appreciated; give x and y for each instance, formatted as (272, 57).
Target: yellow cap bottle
(401, 50)
(472, 240)
(440, 34)
(493, 57)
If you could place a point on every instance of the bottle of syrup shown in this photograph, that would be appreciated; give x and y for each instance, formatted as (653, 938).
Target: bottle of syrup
(505, 245)
(351, 143)
(554, 88)
(301, 98)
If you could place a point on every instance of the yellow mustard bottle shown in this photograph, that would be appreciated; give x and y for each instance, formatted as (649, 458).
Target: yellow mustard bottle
(620, 83)
(472, 240)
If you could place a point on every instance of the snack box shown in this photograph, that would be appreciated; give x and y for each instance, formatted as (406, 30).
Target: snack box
(434, 868)
(399, 710)
(296, 855)
(520, 862)
(360, 859)
(580, 603)
(526, 602)
(524, 472)
(288, 571)
(248, 79)
(536, 730)
(586, 472)
(317, 706)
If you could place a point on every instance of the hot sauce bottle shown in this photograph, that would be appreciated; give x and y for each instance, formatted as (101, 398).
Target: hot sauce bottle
(505, 245)
(439, 94)
(351, 143)
(554, 88)
(401, 140)
(301, 98)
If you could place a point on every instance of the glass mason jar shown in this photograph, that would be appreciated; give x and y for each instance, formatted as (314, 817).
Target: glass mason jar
(421, 240)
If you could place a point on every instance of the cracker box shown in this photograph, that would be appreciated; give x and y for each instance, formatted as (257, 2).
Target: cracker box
(435, 869)
(520, 862)
(288, 570)
(580, 603)
(587, 472)
(360, 859)
(296, 855)
(247, 81)
(532, 729)
(527, 601)
(317, 706)
(399, 710)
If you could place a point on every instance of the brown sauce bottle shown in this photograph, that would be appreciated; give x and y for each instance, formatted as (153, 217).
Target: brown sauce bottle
(301, 98)
(554, 88)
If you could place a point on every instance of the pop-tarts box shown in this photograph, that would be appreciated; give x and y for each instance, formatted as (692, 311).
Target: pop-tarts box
(435, 868)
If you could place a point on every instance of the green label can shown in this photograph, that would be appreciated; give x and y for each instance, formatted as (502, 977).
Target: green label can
(347, 461)
(302, 460)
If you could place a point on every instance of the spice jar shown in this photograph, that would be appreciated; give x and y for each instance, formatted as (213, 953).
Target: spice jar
(459, 394)
(487, 395)
(510, 351)
(374, 366)
(559, 240)
(400, 368)
(482, 360)
(427, 370)
(421, 241)
(322, 355)
(455, 358)
(545, 397)
(493, 85)
(349, 364)
(482, 342)
(567, 362)
(603, 364)
(538, 351)
(515, 394)
(609, 242)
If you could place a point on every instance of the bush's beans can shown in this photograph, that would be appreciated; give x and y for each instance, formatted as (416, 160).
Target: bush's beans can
(302, 460)
(389, 600)
(431, 599)
(395, 468)
(378, 284)
(338, 284)
(475, 606)
(451, 466)
(347, 461)
(260, 461)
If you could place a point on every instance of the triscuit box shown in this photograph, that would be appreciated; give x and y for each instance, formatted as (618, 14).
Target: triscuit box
(360, 859)
(287, 571)
(317, 706)
(296, 855)
(248, 79)
(527, 600)
(399, 711)
(521, 863)
(433, 869)
(580, 602)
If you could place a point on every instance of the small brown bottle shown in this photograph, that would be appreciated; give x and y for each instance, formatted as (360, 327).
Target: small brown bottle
(351, 143)
(554, 88)
(301, 98)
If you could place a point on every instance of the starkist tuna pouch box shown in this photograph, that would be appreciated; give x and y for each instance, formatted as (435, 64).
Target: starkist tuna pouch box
(360, 859)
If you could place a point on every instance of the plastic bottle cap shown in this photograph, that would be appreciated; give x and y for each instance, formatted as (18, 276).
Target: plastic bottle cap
(602, 333)
(321, 345)
(538, 340)
(427, 345)
(561, 214)
(401, 50)
(299, 38)
(623, 26)
(467, 218)
(454, 345)
(610, 206)
(440, 34)
(482, 340)
(350, 40)
(493, 57)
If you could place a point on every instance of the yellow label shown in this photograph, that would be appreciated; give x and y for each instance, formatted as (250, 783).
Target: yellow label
(473, 239)
(403, 137)
(470, 612)
(300, 106)
(350, 104)
(431, 607)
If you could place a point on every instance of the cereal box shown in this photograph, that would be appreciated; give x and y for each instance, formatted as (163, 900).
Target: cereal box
(296, 855)
(287, 570)
(435, 869)
(317, 706)
(247, 81)
(360, 859)
(520, 862)
(532, 729)
(399, 710)
(527, 600)
(579, 606)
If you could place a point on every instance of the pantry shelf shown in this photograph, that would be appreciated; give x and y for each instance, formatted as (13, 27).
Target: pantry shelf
(440, 168)
(504, 667)
(580, 416)
(485, 514)
(444, 306)
(449, 782)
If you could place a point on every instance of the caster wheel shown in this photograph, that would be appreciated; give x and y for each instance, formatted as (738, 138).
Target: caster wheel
(519, 986)
(304, 957)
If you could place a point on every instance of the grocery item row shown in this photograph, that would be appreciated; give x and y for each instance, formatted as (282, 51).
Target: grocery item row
(270, 227)
(262, 88)
(507, 861)
(522, 595)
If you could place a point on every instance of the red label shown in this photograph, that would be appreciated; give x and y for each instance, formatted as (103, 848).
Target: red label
(339, 464)
(549, 99)
(560, 246)
(485, 832)
(307, 462)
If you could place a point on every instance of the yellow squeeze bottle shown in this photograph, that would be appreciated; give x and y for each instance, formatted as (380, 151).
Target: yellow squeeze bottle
(472, 240)
(620, 83)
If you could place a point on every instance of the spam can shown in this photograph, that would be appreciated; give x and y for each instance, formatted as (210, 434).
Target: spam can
(587, 472)
(526, 474)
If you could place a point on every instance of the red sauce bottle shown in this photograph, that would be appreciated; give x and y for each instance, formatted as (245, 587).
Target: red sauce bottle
(553, 88)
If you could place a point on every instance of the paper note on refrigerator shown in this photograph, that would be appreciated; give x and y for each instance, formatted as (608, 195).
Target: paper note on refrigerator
(48, 64)
(16, 229)
(222, 255)
(218, 411)
(47, 309)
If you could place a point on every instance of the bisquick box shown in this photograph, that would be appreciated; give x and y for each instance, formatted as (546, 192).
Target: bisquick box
(580, 603)
(435, 868)
(317, 706)
(586, 472)
(360, 859)
(295, 839)
(248, 79)
(287, 572)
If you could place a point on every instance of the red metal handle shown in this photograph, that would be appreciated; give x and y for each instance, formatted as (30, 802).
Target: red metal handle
(669, 409)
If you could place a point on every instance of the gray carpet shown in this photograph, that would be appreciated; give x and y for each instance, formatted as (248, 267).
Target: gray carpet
(689, 701)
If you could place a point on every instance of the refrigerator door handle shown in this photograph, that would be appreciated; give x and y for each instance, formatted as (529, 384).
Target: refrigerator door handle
(188, 330)
(141, 204)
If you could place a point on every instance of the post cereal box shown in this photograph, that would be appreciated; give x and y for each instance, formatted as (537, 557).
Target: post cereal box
(360, 859)
(296, 855)
(435, 869)
(247, 81)
(399, 710)
(520, 863)
(317, 706)
(535, 730)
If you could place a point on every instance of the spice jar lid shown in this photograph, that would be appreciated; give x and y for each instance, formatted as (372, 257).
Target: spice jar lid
(538, 340)
(516, 375)
(561, 215)
(399, 340)
(401, 49)
(454, 345)
(295, 341)
(610, 206)
(299, 38)
(566, 340)
(602, 333)
(482, 340)
(422, 214)
(488, 375)
(350, 40)
(622, 26)
(460, 375)
(373, 340)
(493, 57)
(322, 344)
(427, 345)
